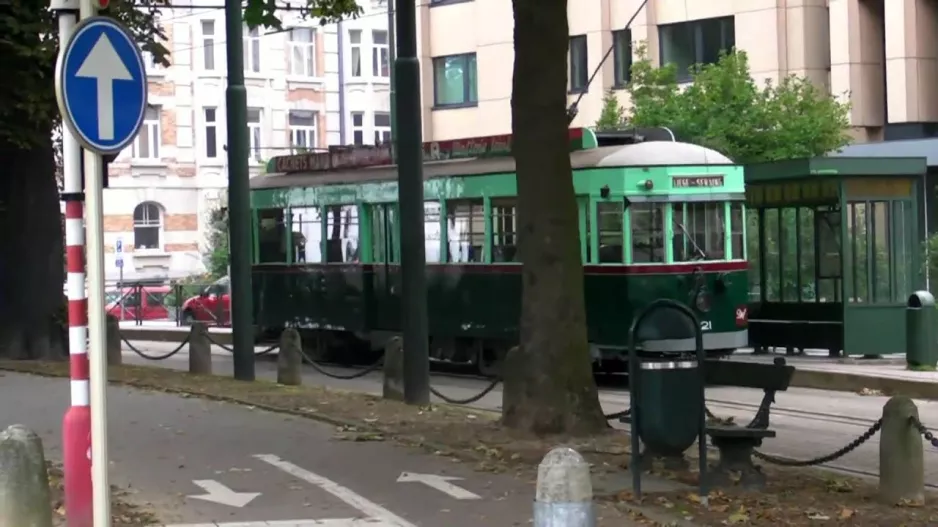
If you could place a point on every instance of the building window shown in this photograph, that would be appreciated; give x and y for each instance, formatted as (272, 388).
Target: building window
(303, 137)
(355, 45)
(382, 128)
(454, 80)
(252, 50)
(697, 42)
(208, 44)
(622, 56)
(147, 143)
(302, 49)
(211, 132)
(148, 222)
(358, 128)
(579, 64)
(380, 54)
(254, 134)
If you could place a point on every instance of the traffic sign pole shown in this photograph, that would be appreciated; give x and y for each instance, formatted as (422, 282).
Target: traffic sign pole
(101, 88)
(76, 424)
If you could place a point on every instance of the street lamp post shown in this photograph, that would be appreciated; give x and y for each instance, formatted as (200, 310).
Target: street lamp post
(239, 211)
(409, 143)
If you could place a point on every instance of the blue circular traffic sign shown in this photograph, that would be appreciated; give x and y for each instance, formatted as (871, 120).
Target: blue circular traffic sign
(101, 85)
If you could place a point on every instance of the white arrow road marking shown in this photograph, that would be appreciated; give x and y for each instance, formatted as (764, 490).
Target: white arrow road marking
(351, 522)
(440, 483)
(215, 492)
(104, 65)
(368, 508)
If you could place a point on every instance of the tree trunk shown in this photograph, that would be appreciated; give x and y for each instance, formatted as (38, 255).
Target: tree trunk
(549, 385)
(32, 304)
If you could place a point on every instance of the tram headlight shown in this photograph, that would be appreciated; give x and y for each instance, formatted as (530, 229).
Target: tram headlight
(702, 301)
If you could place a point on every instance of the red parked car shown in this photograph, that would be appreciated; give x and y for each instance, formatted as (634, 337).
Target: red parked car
(212, 305)
(128, 304)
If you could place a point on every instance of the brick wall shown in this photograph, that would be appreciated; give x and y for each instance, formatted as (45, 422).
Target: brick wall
(181, 222)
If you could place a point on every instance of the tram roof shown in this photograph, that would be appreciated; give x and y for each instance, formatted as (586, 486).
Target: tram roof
(645, 154)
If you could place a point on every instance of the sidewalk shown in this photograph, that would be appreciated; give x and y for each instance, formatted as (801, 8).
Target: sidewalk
(199, 462)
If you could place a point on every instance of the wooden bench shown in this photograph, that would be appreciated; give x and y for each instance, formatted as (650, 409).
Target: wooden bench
(737, 443)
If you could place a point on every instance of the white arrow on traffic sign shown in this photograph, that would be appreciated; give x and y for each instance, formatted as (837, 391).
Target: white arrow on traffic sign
(440, 483)
(104, 65)
(215, 492)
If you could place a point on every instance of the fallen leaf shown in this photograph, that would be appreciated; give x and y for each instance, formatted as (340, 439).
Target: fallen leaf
(846, 514)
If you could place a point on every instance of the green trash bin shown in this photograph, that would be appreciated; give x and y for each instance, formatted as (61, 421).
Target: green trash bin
(921, 346)
(669, 394)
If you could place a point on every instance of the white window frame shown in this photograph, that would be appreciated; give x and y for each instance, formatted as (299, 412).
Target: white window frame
(148, 222)
(256, 136)
(382, 133)
(208, 44)
(303, 137)
(305, 51)
(379, 52)
(355, 51)
(206, 124)
(151, 132)
(358, 128)
(252, 42)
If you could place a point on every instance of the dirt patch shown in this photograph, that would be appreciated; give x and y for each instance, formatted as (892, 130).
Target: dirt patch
(123, 513)
(795, 497)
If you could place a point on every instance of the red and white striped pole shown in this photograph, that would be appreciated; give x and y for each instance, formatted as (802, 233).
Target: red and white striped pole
(76, 425)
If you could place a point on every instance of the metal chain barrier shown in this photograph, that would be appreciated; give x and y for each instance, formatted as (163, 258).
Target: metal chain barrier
(468, 400)
(930, 437)
(214, 342)
(343, 377)
(864, 437)
(156, 357)
(619, 415)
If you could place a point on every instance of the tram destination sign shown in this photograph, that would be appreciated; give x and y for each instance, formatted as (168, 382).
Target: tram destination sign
(696, 181)
(347, 158)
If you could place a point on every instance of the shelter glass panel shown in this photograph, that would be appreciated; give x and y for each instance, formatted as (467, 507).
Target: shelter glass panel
(383, 233)
(770, 251)
(903, 247)
(858, 270)
(788, 255)
(647, 232)
(753, 242)
(806, 254)
(880, 238)
(465, 227)
(504, 230)
(307, 234)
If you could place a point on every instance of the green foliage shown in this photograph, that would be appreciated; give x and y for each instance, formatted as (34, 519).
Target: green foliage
(612, 116)
(724, 109)
(216, 252)
(265, 12)
(930, 259)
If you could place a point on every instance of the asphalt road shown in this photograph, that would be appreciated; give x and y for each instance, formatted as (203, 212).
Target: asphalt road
(252, 466)
(810, 423)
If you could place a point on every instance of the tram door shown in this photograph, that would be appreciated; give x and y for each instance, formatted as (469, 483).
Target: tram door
(386, 257)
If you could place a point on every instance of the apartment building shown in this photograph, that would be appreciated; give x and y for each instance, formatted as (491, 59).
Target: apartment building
(308, 87)
(881, 55)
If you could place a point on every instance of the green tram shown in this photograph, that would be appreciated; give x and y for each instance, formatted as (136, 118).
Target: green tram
(658, 219)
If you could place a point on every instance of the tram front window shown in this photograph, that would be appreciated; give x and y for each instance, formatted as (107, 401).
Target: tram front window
(699, 231)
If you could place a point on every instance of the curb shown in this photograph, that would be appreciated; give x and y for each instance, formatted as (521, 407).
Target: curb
(852, 382)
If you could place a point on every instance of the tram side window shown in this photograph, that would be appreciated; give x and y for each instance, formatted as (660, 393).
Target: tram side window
(504, 230)
(647, 232)
(307, 235)
(699, 231)
(383, 233)
(271, 240)
(465, 227)
(342, 234)
(431, 230)
(609, 219)
(738, 243)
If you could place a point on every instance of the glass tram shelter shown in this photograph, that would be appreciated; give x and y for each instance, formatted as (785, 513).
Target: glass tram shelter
(834, 249)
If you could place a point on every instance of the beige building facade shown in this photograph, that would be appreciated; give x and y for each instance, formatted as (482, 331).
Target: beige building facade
(880, 55)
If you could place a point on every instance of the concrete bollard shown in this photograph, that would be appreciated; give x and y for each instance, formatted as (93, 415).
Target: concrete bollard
(113, 341)
(394, 369)
(289, 359)
(200, 350)
(901, 454)
(564, 495)
(24, 482)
